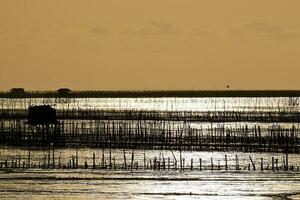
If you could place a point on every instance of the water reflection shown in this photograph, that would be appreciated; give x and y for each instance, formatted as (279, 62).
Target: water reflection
(143, 186)
(19, 183)
(160, 104)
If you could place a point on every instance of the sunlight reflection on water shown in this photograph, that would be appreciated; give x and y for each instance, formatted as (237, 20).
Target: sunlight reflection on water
(170, 104)
(122, 185)
(97, 184)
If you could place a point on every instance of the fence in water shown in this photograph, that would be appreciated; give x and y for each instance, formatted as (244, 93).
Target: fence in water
(204, 116)
(103, 159)
(151, 135)
(161, 130)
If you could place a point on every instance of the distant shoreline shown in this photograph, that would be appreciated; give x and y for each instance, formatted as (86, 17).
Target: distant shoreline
(153, 93)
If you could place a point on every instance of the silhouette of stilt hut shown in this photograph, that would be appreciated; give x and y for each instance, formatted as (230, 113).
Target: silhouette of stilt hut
(44, 119)
(64, 91)
(17, 90)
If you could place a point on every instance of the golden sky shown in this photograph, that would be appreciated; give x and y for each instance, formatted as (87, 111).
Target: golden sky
(149, 44)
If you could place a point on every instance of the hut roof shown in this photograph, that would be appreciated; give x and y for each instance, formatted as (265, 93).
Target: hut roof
(17, 90)
(64, 90)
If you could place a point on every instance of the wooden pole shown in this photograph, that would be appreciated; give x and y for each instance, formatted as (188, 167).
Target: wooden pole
(29, 154)
(237, 162)
(94, 162)
(226, 166)
(253, 164)
(53, 157)
(200, 164)
(132, 159)
(125, 165)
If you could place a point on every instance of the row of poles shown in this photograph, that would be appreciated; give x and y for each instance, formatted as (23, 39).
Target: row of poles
(152, 135)
(204, 116)
(50, 161)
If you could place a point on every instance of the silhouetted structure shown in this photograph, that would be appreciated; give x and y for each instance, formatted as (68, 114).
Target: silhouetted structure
(43, 120)
(44, 114)
(64, 91)
(17, 91)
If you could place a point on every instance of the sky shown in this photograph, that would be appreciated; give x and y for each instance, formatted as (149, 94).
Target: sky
(149, 44)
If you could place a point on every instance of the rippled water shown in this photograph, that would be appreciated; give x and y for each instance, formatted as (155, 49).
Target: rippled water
(59, 184)
(18, 183)
(170, 104)
(38, 155)
(148, 184)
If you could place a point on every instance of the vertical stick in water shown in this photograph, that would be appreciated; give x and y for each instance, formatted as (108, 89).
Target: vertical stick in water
(53, 157)
(132, 159)
(49, 155)
(45, 161)
(85, 164)
(73, 164)
(114, 163)
(180, 155)
(94, 163)
(77, 157)
(200, 164)
(103, 164)
(110, 163)
(28, 157)
(286, 161)
(253, 164)
(144, 160)
(175, 160)
(125, 165)
(226, 166)
(237, 162)
(287, 153)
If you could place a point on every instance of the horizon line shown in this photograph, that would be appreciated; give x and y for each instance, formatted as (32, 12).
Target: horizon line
(66, 92)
